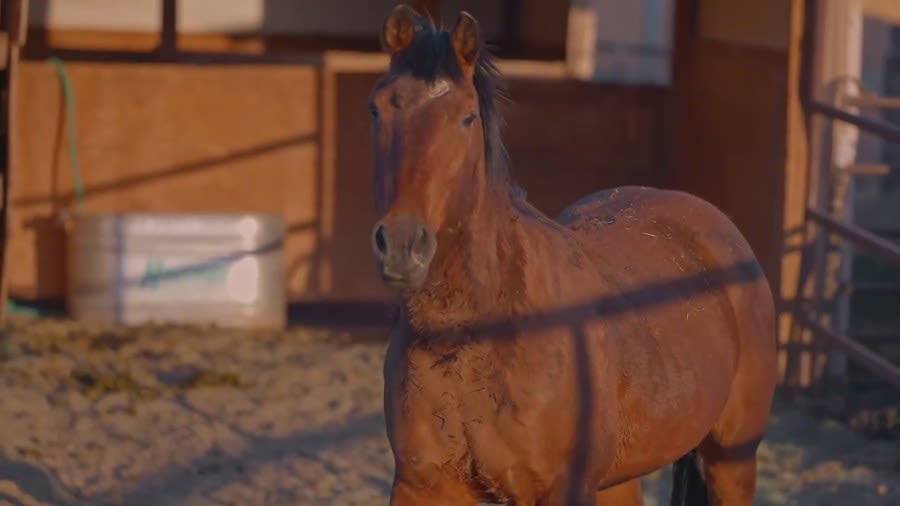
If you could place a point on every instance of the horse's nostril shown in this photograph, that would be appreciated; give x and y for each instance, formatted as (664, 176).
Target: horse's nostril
(380, 240)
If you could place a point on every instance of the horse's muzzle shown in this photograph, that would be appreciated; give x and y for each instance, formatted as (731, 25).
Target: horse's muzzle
(404, 248)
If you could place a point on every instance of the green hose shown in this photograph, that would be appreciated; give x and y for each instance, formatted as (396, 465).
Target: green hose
(71, 131)
(72, 143)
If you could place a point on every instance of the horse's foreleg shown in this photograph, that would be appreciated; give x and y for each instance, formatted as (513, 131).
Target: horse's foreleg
(623, 494)
(444, 494)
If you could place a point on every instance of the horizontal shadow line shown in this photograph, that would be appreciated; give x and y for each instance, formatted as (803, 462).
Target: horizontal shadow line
(646, 296)
(203, 164)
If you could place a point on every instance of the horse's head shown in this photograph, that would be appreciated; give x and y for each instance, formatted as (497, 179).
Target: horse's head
(430, 114)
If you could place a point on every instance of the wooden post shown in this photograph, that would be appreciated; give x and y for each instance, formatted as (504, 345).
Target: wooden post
(833, 66)
(801, 144)
(581, 40)
(17, 21)
(16, 15)
(841, 75)
(168, 37)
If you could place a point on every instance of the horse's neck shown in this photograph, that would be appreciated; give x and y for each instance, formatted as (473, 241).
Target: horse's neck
(478, 273)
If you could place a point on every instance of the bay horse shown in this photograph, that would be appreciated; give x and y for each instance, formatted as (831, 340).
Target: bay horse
(551, 362)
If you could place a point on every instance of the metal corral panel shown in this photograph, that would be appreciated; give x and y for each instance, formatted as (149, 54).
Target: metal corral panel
(177, 268)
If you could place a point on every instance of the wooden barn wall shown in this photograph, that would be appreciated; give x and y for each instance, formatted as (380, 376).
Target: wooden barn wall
(163, 138)
(289, 139)
(738, 138)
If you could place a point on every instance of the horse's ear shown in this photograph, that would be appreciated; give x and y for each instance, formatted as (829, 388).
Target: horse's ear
(466, 39)
(398, 29)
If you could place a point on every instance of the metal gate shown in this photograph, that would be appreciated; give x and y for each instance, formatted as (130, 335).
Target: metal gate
(819, 340)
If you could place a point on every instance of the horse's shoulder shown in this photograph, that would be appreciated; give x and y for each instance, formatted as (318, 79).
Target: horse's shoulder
(605, 206)
(629, 217)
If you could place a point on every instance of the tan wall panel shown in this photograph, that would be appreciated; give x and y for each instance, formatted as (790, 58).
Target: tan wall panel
(731, 150)
(568, 138)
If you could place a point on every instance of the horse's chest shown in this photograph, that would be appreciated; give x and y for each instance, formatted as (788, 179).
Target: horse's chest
(457, 385)
(462, 413)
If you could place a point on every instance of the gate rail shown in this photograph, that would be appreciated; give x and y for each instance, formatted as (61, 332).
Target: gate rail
(807, 314)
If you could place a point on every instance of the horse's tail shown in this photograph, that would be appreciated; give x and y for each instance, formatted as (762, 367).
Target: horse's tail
(689, 487)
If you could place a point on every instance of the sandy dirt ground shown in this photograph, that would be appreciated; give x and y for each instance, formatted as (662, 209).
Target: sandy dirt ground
(201, 417)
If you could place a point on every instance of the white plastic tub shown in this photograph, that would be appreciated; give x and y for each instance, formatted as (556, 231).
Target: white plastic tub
(138, 268)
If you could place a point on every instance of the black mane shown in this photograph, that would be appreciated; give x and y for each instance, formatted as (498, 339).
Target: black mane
(429, 56)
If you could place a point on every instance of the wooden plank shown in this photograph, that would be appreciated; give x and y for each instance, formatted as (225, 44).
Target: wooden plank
(18, 14)
(581, 40)
(4, 50)
(885, 10)
(870, 169)
(355, 61)
(794, 178)
(874, 101)
(19, 28)
(168, 37)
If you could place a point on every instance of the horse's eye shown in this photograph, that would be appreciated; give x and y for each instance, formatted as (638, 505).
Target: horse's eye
(373, 110)
(469, 119)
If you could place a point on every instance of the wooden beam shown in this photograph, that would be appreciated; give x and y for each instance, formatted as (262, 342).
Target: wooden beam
(17, 27)
(18, 21)
(168, 40)
(874, 101)
(791, 285)
(885, 10)
(870, 169)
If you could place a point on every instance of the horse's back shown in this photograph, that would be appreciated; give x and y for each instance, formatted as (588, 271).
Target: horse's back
(636, 202)
(655, 224)
(649, 235)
